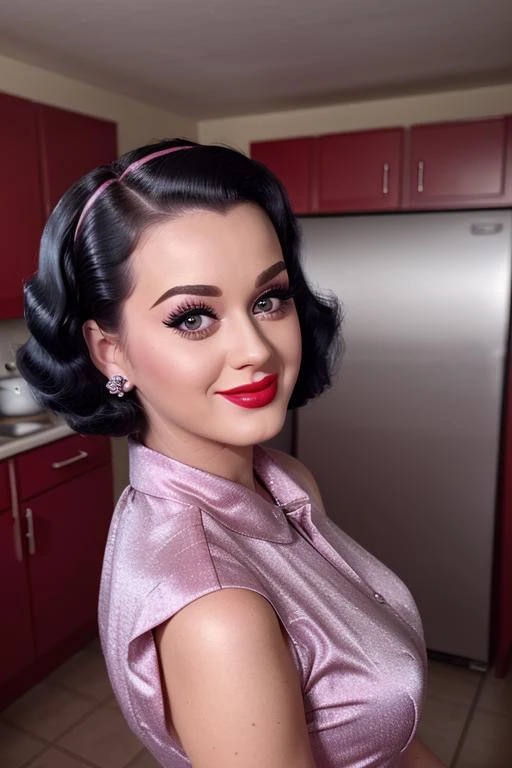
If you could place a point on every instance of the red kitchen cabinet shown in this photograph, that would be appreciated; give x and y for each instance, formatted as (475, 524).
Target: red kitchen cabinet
(291, 160)
(71, 145)
(459, 165)
(502, 634)
(21, 209)
(52, 541)
(59, 462)
(69, 526)
(5, 496)
(16, 639)
(65, 501)
(360, 171)
(45, 151)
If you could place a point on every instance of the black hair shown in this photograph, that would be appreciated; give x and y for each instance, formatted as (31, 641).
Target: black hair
(85, 274)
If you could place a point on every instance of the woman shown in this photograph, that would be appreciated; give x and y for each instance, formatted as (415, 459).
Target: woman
(240, 626)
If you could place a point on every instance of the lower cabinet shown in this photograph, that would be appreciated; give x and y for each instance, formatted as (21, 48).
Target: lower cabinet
(70, 526)
(16, 639)
(52, 539)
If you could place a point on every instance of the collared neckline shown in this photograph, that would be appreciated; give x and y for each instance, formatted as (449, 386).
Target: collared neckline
(229, 503)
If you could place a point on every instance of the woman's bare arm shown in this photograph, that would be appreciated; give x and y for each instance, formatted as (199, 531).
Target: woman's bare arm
(232, 688)
(420, 756)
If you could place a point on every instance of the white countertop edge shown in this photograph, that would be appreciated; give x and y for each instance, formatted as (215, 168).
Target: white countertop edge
(17, 445)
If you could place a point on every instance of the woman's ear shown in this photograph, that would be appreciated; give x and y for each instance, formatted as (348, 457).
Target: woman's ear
(105, 351)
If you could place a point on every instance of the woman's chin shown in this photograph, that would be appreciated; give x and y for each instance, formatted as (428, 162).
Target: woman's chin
(265, 430)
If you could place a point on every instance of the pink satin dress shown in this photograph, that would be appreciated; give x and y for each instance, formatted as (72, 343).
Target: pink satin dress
(352, 626)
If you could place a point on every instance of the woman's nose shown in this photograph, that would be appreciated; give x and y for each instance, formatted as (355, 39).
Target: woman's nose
(247, 344)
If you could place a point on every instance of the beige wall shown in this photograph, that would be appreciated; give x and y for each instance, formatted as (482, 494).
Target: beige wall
(453, 105)
(138, 123)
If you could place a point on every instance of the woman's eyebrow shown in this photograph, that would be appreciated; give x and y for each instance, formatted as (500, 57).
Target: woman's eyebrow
(213, 290)
(194, 290)
(269, 273)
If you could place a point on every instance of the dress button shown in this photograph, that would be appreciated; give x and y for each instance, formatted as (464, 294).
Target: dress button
(379, 597)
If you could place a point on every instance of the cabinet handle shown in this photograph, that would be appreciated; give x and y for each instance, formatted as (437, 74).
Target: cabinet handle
(30, 532)
(421, 174)
(79, 457)
(385, 179)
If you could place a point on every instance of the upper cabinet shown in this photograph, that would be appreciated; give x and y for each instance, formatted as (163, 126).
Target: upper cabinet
(436, 166)
(71, 145)
(359, 171)
(457, 165)
(45, 150)
(292, 162)
(21, 206)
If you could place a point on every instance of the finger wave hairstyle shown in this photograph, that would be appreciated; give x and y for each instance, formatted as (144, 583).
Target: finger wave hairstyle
(85, 274)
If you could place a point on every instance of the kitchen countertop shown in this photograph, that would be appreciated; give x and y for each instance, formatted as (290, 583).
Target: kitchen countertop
(55, 430)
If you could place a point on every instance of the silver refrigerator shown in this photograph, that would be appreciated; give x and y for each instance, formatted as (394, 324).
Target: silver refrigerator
(405, 445)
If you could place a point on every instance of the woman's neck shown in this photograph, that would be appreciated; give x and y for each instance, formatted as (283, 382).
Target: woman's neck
(231, 462)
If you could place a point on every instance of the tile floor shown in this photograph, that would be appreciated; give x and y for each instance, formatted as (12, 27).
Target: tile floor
(71, 720)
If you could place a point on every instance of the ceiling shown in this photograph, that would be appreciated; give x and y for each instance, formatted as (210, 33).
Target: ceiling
(213, 58)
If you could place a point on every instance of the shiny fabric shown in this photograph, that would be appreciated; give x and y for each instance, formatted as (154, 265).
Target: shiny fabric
(354, 632)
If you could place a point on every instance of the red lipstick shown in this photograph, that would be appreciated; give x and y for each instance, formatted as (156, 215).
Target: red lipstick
(254, 395)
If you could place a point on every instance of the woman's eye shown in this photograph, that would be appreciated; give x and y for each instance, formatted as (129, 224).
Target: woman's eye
(195, 322)
(267, 304)
(274, 302)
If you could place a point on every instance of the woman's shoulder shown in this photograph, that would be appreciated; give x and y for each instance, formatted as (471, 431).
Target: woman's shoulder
(298, 472)
(146, 534)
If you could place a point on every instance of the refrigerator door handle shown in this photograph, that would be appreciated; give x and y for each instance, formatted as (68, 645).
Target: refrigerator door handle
(487, 228)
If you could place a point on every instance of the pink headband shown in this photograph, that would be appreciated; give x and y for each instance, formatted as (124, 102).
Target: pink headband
(136, 164)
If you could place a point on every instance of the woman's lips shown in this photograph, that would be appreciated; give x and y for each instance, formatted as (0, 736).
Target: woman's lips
(254, 395)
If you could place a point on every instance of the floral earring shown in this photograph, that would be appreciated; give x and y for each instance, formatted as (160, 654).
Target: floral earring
(116, 385)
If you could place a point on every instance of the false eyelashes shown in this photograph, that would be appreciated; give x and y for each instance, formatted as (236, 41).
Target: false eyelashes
(190, 310)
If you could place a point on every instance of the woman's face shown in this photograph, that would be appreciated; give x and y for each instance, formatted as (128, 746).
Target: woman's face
(210, 313)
